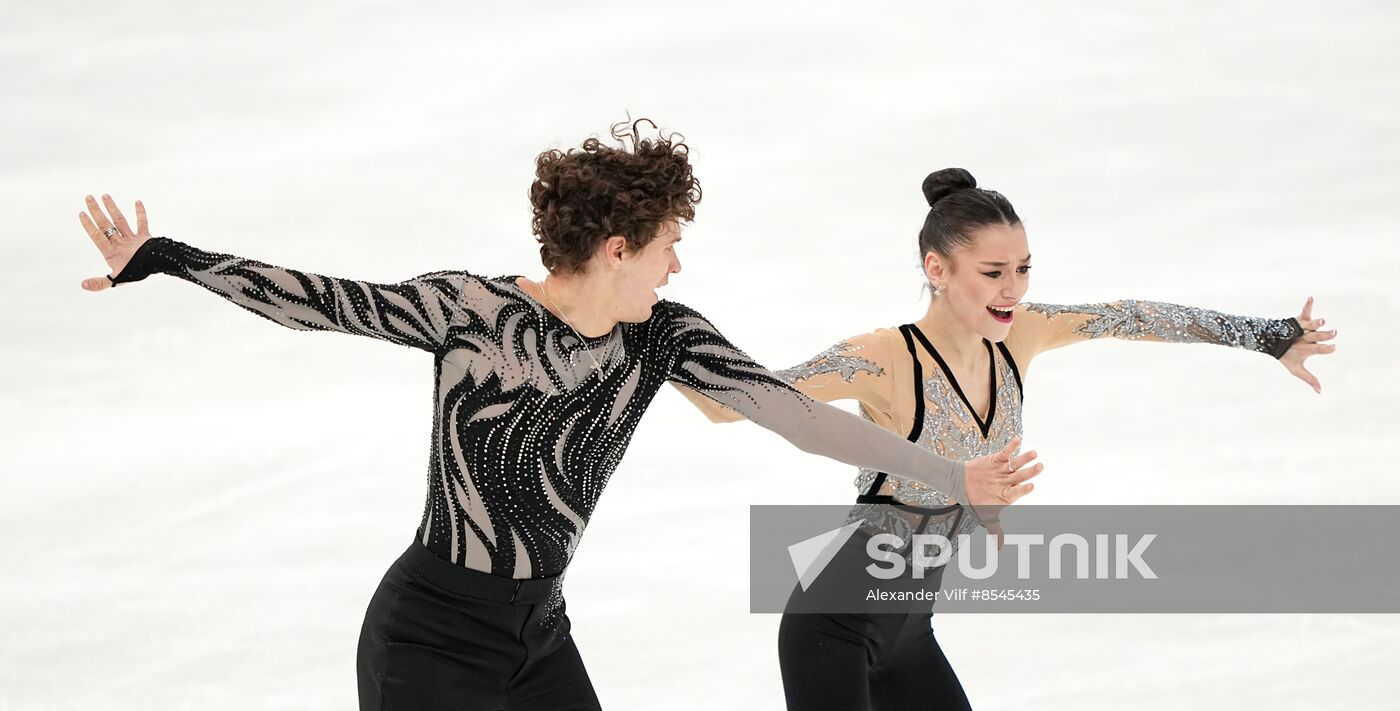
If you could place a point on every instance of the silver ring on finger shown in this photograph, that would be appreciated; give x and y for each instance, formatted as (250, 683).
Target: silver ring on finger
(111, 231)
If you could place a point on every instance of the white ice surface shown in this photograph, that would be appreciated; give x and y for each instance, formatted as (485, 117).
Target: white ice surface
(195, 505)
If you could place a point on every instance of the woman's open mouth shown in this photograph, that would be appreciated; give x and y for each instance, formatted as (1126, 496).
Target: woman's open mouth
(1002, 315)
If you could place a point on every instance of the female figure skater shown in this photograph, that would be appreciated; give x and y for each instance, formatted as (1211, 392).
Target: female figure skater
(539, 387)
(952, 381)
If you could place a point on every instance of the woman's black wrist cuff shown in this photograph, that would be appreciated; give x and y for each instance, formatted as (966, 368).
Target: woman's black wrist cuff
(1289, 332)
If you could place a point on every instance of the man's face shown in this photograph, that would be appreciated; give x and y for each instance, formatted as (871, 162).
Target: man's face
(648, 269)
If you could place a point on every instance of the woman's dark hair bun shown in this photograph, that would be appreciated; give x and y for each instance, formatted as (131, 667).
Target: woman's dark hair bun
(957, 207)
(940, 183)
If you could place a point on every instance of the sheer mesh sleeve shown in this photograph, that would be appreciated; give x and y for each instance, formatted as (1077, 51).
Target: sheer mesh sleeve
(416, 313)
(705, 361)
(848, 370)
(1157, 321)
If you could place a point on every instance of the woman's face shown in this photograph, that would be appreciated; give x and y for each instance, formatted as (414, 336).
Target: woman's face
(646, 270)
(984, 280)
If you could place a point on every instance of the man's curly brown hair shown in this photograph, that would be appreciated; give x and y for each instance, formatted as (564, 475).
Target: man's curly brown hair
(585, 195)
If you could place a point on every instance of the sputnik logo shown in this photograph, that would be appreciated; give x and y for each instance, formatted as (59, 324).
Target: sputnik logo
(810, 557)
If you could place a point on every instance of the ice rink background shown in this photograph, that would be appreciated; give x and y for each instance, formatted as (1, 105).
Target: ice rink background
(197, 504)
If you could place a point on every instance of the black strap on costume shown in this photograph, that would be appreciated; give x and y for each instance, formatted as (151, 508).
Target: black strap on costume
(1005, 353)
(870, 496)
(909, 331)
(984, 425)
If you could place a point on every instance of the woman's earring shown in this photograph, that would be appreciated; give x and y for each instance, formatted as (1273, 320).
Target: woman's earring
(936, 288)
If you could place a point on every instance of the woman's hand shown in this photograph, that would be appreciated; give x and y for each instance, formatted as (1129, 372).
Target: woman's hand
(1309, 345)
(114, 237)
(997, 480)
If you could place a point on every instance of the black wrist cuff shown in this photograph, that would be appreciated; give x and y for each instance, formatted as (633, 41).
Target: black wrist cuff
(1279, 340)
(149, 259)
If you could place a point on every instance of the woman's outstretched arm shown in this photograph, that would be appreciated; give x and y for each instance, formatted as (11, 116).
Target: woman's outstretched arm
(417, 312)
(1042, 327)
(705, 361)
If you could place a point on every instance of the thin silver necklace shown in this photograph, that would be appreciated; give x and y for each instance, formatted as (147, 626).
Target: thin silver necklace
(606, 346)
